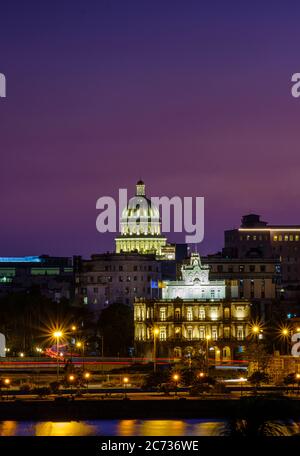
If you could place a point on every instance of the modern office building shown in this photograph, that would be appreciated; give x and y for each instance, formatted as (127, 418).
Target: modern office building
(52, 276)
(193, 314)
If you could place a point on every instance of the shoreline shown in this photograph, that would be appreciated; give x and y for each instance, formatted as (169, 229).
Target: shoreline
(79, 410)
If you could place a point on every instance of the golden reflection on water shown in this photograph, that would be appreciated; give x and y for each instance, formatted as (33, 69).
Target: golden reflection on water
(8, 428)
(126, 428)
(168, 427)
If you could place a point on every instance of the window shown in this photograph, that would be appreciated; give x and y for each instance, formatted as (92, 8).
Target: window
(128, 278)
(220, 268)
(212, 294)
(214, 333)
(177, 314)
(162, 333)
(162, 314)
(202, 313)
(240, 312)
(297, 237)
(262, 268)
(226, 313)
(214, 313)
(241, 267)
(240, 333)
(252, 267)
(189, 314)
(286, 238)
(202, 332)
(226, 332)
(189, 333)
(95, 290)
(291, 237)
(120, 268)
(275, 238)
(135, 268)
(120, 279)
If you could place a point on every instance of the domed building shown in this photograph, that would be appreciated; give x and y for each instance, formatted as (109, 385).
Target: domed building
(140, 226)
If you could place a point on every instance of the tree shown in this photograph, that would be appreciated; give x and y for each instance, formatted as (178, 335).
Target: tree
(116, 326)
(257, 378)
(256, 353)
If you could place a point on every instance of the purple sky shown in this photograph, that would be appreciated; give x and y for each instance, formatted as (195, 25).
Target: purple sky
(191, 96)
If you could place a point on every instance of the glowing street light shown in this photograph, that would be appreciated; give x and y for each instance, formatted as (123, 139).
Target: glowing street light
(176, 379)
(125, 382)
(57, 335)
(242, 380)
(155, 334)
(6, 381)
(22, 355)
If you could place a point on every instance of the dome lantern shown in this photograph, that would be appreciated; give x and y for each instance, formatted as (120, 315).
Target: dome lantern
(140, 188)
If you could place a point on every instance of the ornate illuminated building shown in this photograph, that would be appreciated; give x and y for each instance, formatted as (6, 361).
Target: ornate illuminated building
(193, 316)
(141, 227)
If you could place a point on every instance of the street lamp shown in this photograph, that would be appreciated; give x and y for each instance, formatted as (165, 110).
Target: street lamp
(242, 380)
(87, 376)
(125, 383)
(57, 335)
(285, 332)
(298, 382)
(176, 379)
(155, 334)
(208, 337)
(79, 345)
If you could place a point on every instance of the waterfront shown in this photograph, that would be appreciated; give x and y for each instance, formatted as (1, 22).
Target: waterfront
(128, 428)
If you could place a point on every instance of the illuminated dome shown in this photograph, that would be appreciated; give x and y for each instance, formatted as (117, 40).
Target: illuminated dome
(140, 226)
(140, 216)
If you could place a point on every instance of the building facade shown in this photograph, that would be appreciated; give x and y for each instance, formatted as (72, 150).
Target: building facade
(115, 278)
(256, 239)
(192, 317)
(52, 276)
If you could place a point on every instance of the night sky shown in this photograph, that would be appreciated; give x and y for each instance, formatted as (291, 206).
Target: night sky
(191, 96)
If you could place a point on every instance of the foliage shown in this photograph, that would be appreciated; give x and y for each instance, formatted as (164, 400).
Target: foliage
(117, 328)
(154, 379)
(256, 353)
(258, 377)
(290, 379)
(26, 318)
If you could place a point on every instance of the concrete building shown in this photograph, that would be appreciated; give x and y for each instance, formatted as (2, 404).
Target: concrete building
(192, 314)
(115, 277)
(257, 239)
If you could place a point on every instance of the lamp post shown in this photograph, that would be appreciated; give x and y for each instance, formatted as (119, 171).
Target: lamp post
(125, 382)
(208, 337)
(298, 382)
(81, 345)
(242, 380)
(176, 379)
(285, 332)
(73, 331)
(155, 334)
(87, 377)
(57, 335)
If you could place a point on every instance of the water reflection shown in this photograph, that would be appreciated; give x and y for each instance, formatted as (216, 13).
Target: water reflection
(126, 428)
